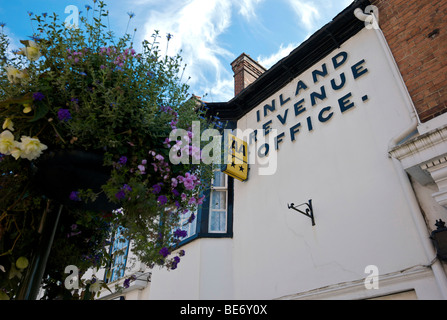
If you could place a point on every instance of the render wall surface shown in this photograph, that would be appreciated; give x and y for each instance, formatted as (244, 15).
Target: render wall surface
(338, 157)
(416, 34)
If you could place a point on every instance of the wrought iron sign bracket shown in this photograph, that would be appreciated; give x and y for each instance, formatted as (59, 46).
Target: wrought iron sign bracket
(309, 212)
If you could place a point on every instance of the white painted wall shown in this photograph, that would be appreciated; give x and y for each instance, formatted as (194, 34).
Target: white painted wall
(342, 165)
(362, 217)
(205, 272)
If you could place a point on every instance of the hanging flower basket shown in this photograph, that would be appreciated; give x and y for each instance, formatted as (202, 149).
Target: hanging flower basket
(61, 174)
(70, 92)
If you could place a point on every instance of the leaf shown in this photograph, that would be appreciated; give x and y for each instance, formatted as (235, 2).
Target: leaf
(21, 100)
(104, 285)
(41, 111)
(14, 273)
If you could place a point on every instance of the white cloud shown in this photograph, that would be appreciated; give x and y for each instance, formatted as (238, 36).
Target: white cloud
(247, 8)
(14, 42)
(195, 26)
(269, 61)
(221, 90)
(307, 12)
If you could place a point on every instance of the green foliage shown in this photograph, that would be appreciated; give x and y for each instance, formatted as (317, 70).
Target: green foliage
(84, 89)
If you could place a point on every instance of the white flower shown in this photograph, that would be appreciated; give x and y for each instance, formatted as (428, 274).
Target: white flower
(31, 148)
(96, 286)
(27, 108)
(16, 152)
(7, 142)
(8, 124)
(32, 52)
(14, 75)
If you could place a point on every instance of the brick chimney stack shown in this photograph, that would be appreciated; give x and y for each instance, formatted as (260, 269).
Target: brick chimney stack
(246, 71)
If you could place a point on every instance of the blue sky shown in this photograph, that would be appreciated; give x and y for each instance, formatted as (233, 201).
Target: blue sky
(209, 33)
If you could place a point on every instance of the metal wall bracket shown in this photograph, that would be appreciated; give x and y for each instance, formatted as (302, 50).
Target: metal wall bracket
(309, 210)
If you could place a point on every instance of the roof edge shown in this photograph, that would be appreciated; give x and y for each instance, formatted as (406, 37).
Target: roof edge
(325, 40)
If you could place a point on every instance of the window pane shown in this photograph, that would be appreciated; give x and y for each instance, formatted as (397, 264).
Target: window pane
(118, 267)
(218, 199)
(219, 179)
(119, 253)
(189, 227)
(218, 221)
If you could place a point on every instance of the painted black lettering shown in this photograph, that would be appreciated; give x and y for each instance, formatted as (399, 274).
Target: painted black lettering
(316, 95)
(321, 73)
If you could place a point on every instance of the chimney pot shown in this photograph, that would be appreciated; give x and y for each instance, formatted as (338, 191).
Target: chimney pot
(246, 71)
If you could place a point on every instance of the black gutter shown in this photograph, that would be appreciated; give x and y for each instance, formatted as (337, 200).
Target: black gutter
(317, 47)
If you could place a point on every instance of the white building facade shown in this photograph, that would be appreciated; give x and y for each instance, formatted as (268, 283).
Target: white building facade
(342, 135)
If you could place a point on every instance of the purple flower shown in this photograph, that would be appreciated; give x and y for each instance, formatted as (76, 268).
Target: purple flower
(200, 200)
(72, 234)
(142, 169)
(191, 218)
(175, 263)
(156, 189)
(38, 96)
(122, 160)
(162, 200)
(74, 196)
(164, 252)
(126, 283)
(175, 192)
(167, 141)
(63, 114)
(179, 233)
(120, 195)
(188, 181)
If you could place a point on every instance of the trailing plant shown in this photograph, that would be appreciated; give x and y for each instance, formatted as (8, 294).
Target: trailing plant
(83, 90)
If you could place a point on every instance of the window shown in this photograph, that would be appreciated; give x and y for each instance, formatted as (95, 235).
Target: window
(190, 228)
(218, 204)
(119, 252)
(214, 218)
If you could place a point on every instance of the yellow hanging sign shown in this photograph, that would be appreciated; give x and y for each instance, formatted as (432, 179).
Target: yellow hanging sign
(236, 158)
